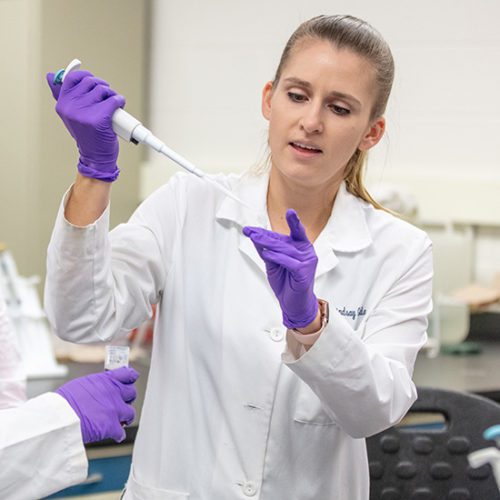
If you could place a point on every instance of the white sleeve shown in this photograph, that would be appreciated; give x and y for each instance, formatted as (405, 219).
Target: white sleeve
(12, 375)
(102, 284)
(41, 448)
(364, 382)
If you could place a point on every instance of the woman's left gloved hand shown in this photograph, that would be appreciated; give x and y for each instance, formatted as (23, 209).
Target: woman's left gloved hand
(290, 265)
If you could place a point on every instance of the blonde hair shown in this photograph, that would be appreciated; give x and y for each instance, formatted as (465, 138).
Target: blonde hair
(348, 32)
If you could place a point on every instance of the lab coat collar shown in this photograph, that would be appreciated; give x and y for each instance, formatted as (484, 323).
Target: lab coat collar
(345, 232)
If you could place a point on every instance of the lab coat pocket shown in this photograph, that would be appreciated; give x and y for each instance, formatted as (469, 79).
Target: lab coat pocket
(309, 409)
(137, 491)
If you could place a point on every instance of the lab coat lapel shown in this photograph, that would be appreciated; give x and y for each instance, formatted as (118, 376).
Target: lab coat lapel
(345, 232)
(247, 247)
(252, 189)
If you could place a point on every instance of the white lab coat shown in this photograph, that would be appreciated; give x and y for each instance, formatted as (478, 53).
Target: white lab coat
(41, 447)
(12, 373)
(229, 411)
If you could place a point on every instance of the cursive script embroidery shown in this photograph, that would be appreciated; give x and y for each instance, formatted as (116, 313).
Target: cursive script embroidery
(352, 313)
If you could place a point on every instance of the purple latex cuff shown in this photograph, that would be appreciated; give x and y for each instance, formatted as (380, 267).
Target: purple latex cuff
(303, 321)
(87, 171)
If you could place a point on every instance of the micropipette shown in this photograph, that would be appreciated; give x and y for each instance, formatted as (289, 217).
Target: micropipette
(132, 130)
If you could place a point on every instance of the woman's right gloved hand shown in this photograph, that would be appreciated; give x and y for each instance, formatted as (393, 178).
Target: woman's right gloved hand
(102, 402)
(86, 105)
(291, 263)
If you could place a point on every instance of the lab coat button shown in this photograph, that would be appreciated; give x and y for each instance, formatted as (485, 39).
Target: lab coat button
(249, 488)
(276, 334)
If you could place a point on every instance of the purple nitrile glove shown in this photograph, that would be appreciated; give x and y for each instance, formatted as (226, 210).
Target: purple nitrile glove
(86, 105)
(102, 403)
(290, 265)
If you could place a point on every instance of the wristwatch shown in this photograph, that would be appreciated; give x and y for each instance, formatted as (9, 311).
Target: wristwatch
(324, 315)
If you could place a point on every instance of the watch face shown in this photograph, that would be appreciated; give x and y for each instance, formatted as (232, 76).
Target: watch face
(324, 312)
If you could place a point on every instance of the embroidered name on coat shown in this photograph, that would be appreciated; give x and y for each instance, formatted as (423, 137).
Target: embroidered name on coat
(352, 313)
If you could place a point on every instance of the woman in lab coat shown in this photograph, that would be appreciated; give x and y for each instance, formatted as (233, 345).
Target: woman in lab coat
(41, 440)
(277, 349)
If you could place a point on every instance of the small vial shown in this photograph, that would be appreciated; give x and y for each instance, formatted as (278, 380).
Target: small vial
(116, 356)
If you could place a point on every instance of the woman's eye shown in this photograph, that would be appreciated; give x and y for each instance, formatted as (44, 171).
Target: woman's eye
(339, 110)
(296, 97)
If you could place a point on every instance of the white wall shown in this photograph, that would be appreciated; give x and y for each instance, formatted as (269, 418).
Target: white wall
(210, 60)
(37, 155)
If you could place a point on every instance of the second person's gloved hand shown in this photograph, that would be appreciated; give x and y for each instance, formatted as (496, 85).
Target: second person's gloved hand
(86, 105)
(102, 403)
(290, 265)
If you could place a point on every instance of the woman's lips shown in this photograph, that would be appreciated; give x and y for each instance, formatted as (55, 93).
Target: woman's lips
(305, 150)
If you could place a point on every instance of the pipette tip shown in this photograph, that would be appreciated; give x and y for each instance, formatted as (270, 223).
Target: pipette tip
(227, 192)
(238, 200)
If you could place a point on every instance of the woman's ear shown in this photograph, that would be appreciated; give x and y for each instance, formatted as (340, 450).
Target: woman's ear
(267, 93)
(373, 134)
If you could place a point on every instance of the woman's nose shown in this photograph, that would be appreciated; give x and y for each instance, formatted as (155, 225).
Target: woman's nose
(312, 121)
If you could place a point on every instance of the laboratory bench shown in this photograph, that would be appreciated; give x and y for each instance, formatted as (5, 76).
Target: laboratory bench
(477, 373)
(109, 462)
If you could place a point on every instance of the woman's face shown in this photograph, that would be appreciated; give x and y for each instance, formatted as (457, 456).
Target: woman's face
(319, 113)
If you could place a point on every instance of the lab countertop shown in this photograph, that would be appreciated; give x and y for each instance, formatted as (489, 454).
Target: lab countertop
(477, 373)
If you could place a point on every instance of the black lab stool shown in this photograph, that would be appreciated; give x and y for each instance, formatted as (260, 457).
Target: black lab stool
(426, 463)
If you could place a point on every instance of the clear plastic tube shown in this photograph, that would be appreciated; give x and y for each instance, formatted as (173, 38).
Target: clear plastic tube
(116, 356)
